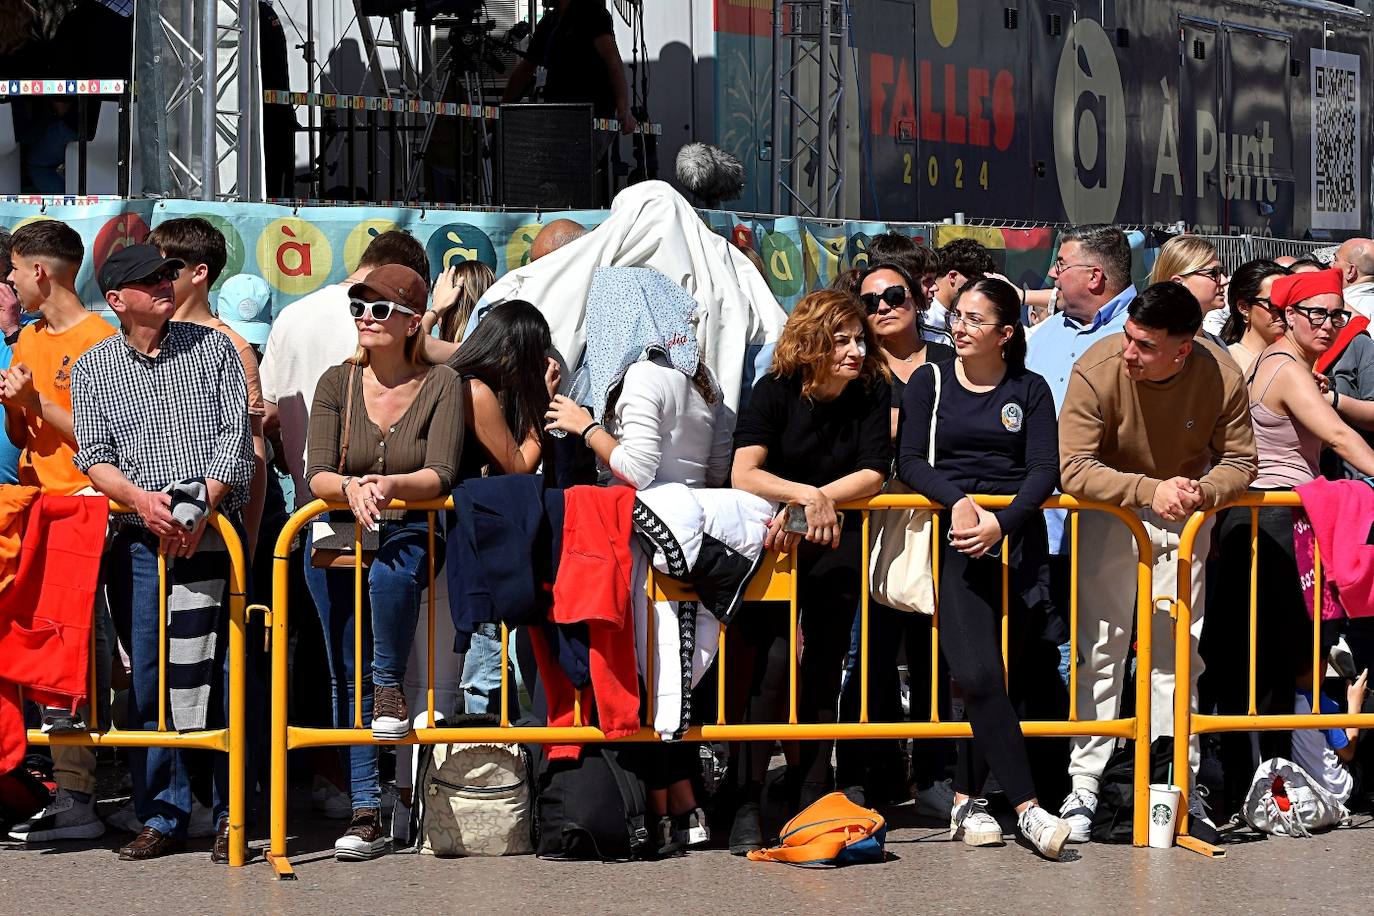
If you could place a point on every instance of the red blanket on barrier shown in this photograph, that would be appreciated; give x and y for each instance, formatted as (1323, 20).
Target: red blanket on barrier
(45, 612)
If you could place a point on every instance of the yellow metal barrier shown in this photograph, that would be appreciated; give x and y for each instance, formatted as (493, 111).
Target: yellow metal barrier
(776, 581)
(1188, 723)
(229, 740)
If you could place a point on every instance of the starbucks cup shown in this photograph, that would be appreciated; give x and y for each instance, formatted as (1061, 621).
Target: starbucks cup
(1163, 815)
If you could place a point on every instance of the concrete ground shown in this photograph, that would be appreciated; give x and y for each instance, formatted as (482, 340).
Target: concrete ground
(926, 874)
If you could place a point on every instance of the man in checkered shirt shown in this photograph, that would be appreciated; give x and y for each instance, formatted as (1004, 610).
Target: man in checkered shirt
(161, 404)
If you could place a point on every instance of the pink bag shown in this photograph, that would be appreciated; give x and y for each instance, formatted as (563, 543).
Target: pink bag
(1304, 546)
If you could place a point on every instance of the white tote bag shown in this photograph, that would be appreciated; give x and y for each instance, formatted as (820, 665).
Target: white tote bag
(900, 540)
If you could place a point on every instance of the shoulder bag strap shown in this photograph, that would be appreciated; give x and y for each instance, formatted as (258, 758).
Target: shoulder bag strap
(934, 412)
(347, 417)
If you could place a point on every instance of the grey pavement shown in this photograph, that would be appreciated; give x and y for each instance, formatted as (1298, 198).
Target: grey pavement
(927, 874)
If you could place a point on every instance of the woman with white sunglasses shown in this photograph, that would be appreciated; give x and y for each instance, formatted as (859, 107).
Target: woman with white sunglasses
(386, 425)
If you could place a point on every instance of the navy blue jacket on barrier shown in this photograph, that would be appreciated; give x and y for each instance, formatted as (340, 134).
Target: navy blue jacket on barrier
(503, 546)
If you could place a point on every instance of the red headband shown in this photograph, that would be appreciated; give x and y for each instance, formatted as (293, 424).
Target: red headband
(1293, 289)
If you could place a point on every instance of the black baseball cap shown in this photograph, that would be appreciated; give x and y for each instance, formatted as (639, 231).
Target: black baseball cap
(131, 264)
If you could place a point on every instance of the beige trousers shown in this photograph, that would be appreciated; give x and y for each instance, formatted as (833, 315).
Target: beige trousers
(1106, 617)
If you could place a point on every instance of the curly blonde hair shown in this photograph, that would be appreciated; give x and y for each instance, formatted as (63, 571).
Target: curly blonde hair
(1181, 255)
(808, 340)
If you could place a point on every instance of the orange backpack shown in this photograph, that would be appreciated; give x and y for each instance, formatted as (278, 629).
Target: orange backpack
(834, 831)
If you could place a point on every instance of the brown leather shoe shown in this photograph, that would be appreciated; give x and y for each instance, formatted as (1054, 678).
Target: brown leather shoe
(149, 844)
(219, 853)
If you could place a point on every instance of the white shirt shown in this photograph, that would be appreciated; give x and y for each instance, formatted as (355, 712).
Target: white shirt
(1215, 320)
(1314, 749)
(667, 431)
(935, 323)
(1359, 297)
(309, 336)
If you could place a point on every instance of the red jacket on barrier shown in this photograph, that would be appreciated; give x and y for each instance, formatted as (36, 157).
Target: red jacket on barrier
(1342, 516)
(45, 613)
(593, 587)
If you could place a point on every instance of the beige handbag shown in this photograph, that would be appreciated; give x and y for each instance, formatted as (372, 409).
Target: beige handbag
(900, 574)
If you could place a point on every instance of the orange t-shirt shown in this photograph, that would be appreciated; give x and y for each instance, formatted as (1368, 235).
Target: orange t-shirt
(46, 460)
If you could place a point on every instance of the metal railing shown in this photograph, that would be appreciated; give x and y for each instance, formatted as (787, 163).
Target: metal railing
(231, 739)
(1189, 723)
(776, 581)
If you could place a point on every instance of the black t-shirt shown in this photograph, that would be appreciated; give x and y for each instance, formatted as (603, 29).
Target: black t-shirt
(1001, 442)
(935, 353)
(816, 442)
(565, 45)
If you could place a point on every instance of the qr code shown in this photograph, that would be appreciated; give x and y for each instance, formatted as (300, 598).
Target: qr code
(1335, 103)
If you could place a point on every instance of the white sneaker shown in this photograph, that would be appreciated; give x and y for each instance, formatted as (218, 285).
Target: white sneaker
(330, 800)
(64, 818)
(1078, 810)
(1046, 832)
(202, 822)
(935, 799)
(125, 818)
(971, 823)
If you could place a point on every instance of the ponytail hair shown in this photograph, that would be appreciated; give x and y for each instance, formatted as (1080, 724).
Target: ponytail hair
(1006, 309)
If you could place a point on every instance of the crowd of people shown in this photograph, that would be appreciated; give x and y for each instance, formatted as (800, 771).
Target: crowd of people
(920, 367)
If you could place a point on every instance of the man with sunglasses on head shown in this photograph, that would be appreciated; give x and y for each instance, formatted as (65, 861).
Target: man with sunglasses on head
(45, 256)
(157, 409)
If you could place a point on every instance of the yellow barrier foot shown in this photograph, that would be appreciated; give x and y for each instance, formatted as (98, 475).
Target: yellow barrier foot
(1198, 846)
(281, 866)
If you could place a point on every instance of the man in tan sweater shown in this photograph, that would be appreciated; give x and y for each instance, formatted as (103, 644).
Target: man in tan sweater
(1157, 422)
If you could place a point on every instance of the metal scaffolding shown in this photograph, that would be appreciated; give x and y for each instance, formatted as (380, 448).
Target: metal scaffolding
(810, 38)
(199, 99)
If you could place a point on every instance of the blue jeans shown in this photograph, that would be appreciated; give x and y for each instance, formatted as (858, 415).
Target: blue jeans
(161, 776)
(481, 681)
(390, 610)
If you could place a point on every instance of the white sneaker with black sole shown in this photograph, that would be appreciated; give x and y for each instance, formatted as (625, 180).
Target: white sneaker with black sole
(971, 823)
(1078, 810)
(64, 818)
(1045, 832)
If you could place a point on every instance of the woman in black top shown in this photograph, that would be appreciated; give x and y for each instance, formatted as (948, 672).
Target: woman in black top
(894, 303)
(509, 379)
(815, 433)
(995, 433)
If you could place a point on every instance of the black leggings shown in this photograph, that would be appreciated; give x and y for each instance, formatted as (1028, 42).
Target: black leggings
(971, 640)
(827, 597)
(1283, 638)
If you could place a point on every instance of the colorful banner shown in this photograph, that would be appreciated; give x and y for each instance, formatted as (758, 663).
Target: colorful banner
(297, 250)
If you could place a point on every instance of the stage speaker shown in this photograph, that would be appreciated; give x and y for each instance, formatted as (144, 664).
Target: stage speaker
(547, 156)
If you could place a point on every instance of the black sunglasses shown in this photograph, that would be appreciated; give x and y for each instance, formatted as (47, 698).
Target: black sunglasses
(894, 296)
(167, 274)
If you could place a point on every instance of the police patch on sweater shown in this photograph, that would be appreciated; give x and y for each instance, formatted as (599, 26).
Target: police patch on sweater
(1013, 414)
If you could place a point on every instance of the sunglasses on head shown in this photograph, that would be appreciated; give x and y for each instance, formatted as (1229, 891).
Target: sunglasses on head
(380, 311)
(894, 296)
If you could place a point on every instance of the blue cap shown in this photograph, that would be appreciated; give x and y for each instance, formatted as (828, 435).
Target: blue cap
(245, 304)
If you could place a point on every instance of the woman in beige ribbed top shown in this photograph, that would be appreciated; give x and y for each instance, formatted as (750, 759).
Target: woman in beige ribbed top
(404, 422)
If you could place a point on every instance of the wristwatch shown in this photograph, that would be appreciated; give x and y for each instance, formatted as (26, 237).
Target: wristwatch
(343, 487)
